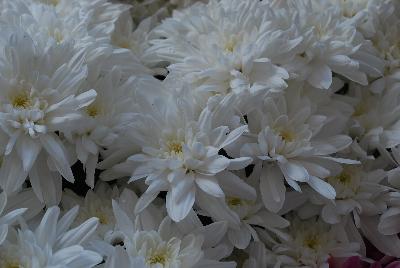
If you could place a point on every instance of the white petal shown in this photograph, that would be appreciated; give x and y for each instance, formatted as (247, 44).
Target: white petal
(217, 209)
(330, 215)
(3, 201)
(11, 216)
(321, 77)
(46, 184)
(341, 160)
(25, 199)
(47, 229)
(387, 244)
(234, 135)
(235, 186)
(240, 238)
(179, 210)
(86, 98)
(124, 223)
(209, 185)
(56, 150)
(239, 163)
(12, 174)
(3, 233)
(86, 259)
(150, 194)
(322, 187)
(294, 170)
(215, 165)
(119, 259)
(90, 169)
(272, 188)
(66, 220)
(213, 233)
(28, 151)
(78, 235)
(389, 223)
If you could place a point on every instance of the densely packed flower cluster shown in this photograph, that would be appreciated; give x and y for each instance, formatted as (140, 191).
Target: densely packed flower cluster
(199, 134)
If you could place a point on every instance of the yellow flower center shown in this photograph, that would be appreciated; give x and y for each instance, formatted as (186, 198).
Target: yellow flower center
(160, 258)
(234, 201)
(230, 46)
(51, 2)
(21, 100)
(311, 241)
(287, 135)
(103, 219)
(124, 44)
(360, 109)
(175, 148)
(92, 111)
(11, 264)
(344, 178)
(347, 183)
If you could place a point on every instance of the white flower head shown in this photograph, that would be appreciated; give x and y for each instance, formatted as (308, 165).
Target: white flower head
(39, 99)
(97, 203)
(375, 118)
(291, 143)
(180, 154)
(241, 210)
(359, 192)
(228, 46)
(51, 244)
(103, 120)
(312, 242)
(331, 44)
(185, 244)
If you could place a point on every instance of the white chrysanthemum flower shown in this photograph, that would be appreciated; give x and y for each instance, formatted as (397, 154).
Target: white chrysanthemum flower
(226, 46)
(39, 99)
(359, 192)
(180, 154)
(290, 141)
(376, 117)
(356, 192)
(51, 244)
(64, 20)
(242, 212)
(97, 203)
(311, 243)
(186, 244)
(103, 120)
(331, 44)
(43, 23)
(365, 13)
(87, 26)
(98, 16)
